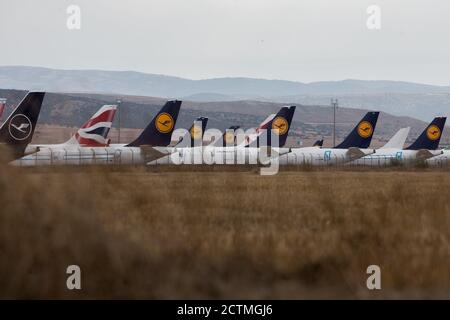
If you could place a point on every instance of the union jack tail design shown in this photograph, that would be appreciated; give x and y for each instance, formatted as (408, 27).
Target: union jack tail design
(95, 131)
(2, 107)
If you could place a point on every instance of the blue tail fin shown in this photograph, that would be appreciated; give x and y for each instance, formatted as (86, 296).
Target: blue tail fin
(430, 137)
(280, 125)
(228, 138)
(197, 130)
(159, 131)
(18, 129)
(362, 134)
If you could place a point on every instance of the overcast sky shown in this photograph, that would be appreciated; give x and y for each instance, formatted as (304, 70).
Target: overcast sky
(302, 40)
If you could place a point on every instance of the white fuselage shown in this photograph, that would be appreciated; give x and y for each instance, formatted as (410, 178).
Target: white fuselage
(317, 156)
(440, 160)
(112, 155)
(251, 155)
(218, 155)
(388, 156)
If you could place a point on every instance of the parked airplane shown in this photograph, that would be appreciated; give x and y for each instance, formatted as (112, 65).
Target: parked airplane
(194, 135)
(228, 138)
(149, 145)
(18, 129)
(246, 151)
(93, 133)
(423, 148)
(354, 146)
(440, 160)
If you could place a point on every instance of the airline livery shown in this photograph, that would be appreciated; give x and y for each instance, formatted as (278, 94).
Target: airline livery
(425, 147)
(18, 129)
(354, 146)
(150, 144)
(93, 133)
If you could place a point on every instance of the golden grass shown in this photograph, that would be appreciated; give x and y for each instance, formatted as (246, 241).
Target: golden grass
(157, 233)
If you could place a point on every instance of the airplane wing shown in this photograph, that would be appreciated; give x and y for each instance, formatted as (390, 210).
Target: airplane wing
(355, 153)
(424, 154)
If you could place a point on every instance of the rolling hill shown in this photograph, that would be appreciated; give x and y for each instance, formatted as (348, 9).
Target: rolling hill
(396, 97)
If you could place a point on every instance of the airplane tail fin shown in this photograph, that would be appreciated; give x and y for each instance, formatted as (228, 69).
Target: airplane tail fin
(197, 130)
(18, 129)
(398, 140)
(2, 107)
(195, 133)
(430, 137)
(279, 124)
(228, 138)
(159, 131)
(94, 133)
(362, 134)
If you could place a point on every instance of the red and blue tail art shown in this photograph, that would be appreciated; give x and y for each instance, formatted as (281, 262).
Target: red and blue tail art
(430, 137)
(2, 108)
(18, 129)
(95, 131)
(362, 134)
(158, 133)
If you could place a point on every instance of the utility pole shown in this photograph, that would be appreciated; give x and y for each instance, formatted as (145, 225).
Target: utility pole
(334, 104)
(119, 102)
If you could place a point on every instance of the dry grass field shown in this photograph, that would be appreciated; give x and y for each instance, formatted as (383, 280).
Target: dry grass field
(216, 233)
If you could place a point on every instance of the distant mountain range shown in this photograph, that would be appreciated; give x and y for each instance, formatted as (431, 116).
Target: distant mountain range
(399, 98)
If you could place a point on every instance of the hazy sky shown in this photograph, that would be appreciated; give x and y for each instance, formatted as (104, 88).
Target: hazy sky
(303, 40)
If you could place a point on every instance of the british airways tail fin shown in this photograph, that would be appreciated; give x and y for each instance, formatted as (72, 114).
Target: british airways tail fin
(2, 107)
(94, 133)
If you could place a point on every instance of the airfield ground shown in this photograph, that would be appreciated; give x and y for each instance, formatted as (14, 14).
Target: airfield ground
(224, 233)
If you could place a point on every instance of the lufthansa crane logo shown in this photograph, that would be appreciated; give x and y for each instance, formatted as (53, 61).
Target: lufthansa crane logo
(365, 129)
(20, 127)
(433, 132)
(280, 125)
(164, 122)
(196, 132)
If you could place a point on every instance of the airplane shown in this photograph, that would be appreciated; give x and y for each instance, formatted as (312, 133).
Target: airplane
(247, 150)
(149, 145)
(440, 160)
(93, 133)
(354, 146)
(18, 129)
(228, 138)
(423, 148)
(195, 133)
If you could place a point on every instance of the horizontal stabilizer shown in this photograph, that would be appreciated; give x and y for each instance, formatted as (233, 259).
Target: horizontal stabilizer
(150, 153)
(356, 153)
(424, 154)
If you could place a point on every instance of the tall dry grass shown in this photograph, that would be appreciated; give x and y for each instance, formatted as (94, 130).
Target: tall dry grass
(150, 233)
